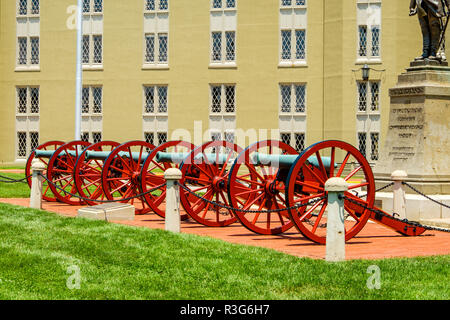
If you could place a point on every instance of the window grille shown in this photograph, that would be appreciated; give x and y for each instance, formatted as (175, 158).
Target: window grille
(217, 4)
(216, 98)
(149, 137)
(21, 144)
(375, 41)
(163, 47)
(35, 7)
(230, 99)
(98, 5)
(286, 138)
(156, 99)
(150, 5)
(231, 3)
(34, 140)
(230, 45)
(300, 98)
(86, 6)
(85, 136)
(162, 95)
(150, 48)
(149, 93)
(97, 95)
(98, 48)
(22, 50)
(85, 49)
(85, 100)
(163, 4)
(21, 100)
(216, 46)
(286, 44)
(229, 137)
(374, 140)
(162, 137)
(300, 40)
(34, 41)
(362, 145)
(96, 137)
(299, 141)
(362, 41)
(34, 100)
(362, 96)
(285, 98)
(375, 96)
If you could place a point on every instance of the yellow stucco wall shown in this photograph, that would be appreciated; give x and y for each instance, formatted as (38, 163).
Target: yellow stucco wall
(331, 52)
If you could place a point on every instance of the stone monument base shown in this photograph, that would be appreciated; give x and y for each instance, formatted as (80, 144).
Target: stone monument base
(418, 137)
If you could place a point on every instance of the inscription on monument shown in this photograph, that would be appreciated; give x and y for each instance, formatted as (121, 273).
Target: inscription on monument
(407, 91)
(406, 123)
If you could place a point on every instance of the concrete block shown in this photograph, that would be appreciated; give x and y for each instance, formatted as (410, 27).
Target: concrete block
(108, 212)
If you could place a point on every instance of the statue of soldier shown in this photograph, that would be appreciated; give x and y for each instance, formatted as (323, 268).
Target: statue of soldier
(430, 13)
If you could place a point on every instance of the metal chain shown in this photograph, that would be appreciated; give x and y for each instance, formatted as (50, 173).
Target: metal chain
(379, 189)
(11, 180)
(378, 212)
(249, 211)
(102, 201)
(424, 195)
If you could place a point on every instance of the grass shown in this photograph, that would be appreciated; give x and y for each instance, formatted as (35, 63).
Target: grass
(38, 250)
(13, 190)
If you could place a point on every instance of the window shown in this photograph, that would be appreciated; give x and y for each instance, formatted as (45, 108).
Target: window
(368, 96)
(369, 30)
(27, 100)
(28, 33)
(92, 46)
(293, 98)
(156, 99)
(294, 139)
(223, 32)
(223, 99)
(27, 120)
(156, 33)
(92, 100)
(155, 138)
(293, 21)
(92, 137)
(368, 118)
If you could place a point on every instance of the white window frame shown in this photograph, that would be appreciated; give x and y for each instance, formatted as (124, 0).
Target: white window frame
(369, 96)
(291, 10)
(371, 20)
(27, 122)
(29, 21)
(156, 100)
(89, 17)
(223, 99)
(158, 26)
(224, 13)
(293, 98)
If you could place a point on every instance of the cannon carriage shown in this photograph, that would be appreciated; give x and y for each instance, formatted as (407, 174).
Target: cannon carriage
(268, 187)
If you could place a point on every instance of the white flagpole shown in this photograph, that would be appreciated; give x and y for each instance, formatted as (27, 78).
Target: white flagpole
(79, 75)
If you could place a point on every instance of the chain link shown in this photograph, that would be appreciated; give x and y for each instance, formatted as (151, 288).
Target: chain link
(424, 195)
(250, 211)
(381, 213)
(102, 201)
(4, 179)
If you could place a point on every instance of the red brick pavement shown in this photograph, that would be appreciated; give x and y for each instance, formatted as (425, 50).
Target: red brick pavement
(373, 242)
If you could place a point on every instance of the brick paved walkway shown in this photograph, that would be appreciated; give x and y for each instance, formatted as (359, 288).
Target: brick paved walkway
(373, 242)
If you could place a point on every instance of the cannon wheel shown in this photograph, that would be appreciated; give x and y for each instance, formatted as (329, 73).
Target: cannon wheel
(47, 195)
(152, 175)
(88, 173)
(260, 188)
(60, 171)
(121, 175)
(208, 179)
(307, 182)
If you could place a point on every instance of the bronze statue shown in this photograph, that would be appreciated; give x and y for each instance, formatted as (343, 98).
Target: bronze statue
(431, 14)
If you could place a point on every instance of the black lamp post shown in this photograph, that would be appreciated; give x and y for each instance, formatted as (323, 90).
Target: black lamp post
(365, 72)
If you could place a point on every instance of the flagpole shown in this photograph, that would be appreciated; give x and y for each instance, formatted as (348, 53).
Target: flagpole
(79, 71)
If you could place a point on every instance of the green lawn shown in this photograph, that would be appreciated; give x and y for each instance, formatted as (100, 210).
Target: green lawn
(14, 190)
(39, 252)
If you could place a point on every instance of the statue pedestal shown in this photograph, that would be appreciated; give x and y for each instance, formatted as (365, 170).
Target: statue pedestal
(418, 138)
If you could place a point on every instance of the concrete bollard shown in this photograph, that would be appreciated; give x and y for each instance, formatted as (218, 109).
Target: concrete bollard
(398, 194)
(335, 247)
(173, 221)
(37, 168)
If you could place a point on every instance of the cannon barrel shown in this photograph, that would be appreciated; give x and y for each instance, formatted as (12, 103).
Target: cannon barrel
(171, 157)
(49, 153)
(287, 160)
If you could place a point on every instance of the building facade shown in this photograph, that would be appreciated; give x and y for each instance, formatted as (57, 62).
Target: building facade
(240, 70)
